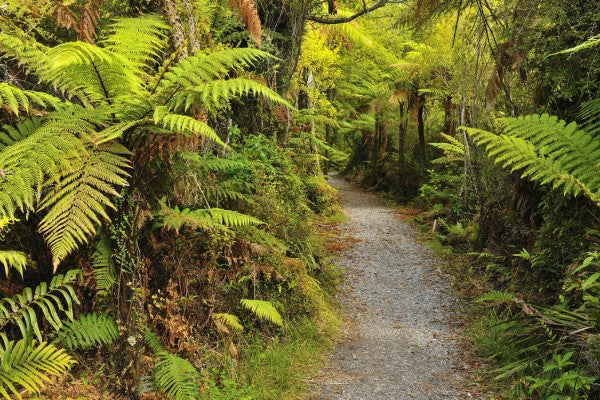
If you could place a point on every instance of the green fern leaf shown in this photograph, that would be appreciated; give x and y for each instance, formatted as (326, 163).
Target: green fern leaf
(48, 299)
(88, 331)
(185, 125)
(141, 40)
(16, 99)
(264, 310)
(104, 269)
(78, 201)
(174, 218)
(497, 296)
(28, 365)
(230, 320)
(13, 259)
(217, 94)
(177, 377)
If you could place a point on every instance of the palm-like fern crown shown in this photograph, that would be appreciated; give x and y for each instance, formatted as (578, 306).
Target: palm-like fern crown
(70, 162)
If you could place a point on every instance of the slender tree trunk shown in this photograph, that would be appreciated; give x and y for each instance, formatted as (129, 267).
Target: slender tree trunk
(421, 128)
(402, 126)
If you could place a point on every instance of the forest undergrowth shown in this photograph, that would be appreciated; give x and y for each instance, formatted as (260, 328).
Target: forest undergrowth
(164, 201)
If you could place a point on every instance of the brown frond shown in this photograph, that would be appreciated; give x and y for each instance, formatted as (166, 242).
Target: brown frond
(248, 14)
(90, 13)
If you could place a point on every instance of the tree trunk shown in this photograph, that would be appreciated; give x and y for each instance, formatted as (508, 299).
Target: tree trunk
(421, 128)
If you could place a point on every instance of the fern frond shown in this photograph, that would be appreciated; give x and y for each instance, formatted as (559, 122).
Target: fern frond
(264, 310)
(88, 331)
(48, 299)
(219, 93)
(28, 365)
(205, 67)
(141, 40)
(174, 218)
(26, 163)
(78, 200)
(11, 134)
(546, 150)
(497, 296)
(153, 341)
(248, 14)
(16, 99)
(90, 72)
(177, 377)
(104, 269)
(13, 259)
(588, 44)
(184, 125)
(24, 49)
(589, 113)
(230, 320)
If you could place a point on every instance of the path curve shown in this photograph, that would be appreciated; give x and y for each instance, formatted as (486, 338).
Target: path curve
(397, 340)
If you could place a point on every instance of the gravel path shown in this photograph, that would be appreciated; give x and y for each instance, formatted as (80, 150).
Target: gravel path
(397, 340)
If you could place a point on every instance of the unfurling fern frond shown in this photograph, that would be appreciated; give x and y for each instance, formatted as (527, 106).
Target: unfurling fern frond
(185, 125)
(15, 99)
(174, 218)
(25, 364)
(218, 94)
(177, 377)
(230, 320)
(497, 296)
(13, 259)
(547, 150)
(78, 201)
(88, 331)
(48, 299)
(248, 14)
(264, 310)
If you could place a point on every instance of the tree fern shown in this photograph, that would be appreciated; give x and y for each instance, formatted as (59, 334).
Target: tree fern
(547, 150)
(13, 259)
(25, 364)
(69, 164)
(88, 331)
(264, 310)
(48, 299)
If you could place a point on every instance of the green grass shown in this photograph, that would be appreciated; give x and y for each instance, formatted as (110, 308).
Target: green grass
(280, 369)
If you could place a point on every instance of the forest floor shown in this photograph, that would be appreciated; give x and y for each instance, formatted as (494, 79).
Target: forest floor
(400, 335)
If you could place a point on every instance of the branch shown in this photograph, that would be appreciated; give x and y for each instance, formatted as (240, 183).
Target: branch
(364, 11)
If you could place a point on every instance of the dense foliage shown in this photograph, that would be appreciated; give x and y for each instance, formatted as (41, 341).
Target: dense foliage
(163, 184)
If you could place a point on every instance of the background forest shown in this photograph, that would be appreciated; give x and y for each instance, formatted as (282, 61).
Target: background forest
(165, 217)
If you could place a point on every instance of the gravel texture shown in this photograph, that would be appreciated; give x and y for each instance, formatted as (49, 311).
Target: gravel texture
(397, 338)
